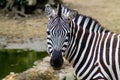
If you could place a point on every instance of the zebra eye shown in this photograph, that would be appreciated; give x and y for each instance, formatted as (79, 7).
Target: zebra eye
(68, 19)
(51, 17)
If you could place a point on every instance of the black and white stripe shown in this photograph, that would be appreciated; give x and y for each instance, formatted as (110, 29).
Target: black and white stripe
(93, 51)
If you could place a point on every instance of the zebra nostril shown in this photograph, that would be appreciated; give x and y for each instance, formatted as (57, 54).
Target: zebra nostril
(56, 59)
(56, 64)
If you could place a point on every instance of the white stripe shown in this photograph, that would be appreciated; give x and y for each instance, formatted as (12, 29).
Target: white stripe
(104, 49)
(103, 71)
(72, 54)
(111, 49)
(79, 21)
(99, 47)
(73, 45)
(93, 54)
(116, 57)
(101, 67)
(92, 73)
(79, 46)
(84, 74)
(48, 36)
(97, 75)
(86, 23)
(91, 27)
(111, 45)
(83, 55)
(65, 43)
(104, 57)
(96, 27)
(65, 10)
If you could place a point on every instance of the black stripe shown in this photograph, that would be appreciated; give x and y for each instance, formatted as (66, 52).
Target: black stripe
(59, 10)
(98, 28)
(76, 18)
(83, 44)
(94, 65)
(73, 32)
(99, 77)
(113, 56)
(94, 26)
(72, 37)
(82, 22)
(101, 30)
(76, 44)
(89, 24)
(86, 55)
(107, 50)
(87, 75)
(101, 58)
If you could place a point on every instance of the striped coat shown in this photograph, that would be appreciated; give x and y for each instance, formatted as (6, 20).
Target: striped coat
(93, 51)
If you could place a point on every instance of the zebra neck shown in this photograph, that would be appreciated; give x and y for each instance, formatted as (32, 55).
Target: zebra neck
(85, 46)
(82, 28)
(88, 23)
(80, 41)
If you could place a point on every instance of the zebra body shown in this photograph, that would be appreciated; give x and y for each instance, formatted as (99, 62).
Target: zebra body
(93, 51)
(92, 56)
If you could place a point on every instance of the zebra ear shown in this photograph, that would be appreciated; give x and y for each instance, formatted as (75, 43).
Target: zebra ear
(72, 14)
(49, 11)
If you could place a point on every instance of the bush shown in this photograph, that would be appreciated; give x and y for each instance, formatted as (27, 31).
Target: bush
(23, 7)
(2, 3)
(22, 2)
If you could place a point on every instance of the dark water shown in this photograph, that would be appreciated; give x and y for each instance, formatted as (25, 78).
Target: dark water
(17, 60)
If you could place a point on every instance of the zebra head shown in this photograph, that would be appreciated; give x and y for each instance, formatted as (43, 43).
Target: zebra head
(58, 33)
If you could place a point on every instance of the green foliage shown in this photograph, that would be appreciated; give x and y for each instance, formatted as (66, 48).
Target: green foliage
(22, 2)
(2, 2)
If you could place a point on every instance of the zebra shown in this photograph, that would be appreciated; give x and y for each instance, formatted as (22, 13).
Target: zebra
(92, 50)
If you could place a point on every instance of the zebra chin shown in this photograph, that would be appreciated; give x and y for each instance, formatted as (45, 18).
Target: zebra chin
(56, 60)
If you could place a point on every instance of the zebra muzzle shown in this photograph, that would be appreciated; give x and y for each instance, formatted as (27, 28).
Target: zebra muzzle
(56, 59)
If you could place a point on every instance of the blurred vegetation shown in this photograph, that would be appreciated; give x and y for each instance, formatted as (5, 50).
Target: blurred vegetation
(2, 3)
(18, 60)
(22, 2)
(23, 7)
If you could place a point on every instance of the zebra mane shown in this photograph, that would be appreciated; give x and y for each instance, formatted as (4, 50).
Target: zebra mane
(62, 9)
(96, 21)
(59, 10)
